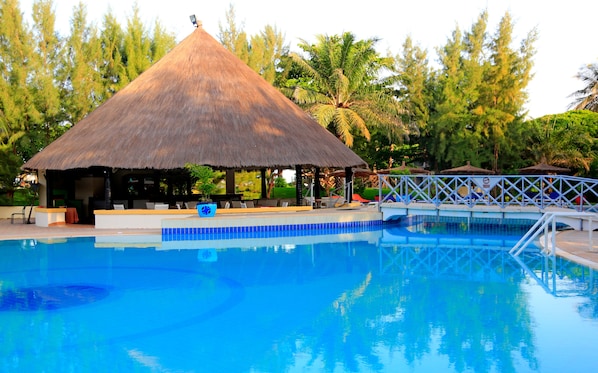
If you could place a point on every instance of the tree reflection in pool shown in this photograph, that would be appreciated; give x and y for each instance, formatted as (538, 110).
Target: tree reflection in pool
(385, 299)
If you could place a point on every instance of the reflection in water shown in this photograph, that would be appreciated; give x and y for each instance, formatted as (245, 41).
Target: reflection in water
(558, 276)
(388, 300)
(50, 297)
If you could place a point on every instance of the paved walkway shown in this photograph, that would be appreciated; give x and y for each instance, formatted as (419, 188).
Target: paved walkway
(574, 245)
(17, 231)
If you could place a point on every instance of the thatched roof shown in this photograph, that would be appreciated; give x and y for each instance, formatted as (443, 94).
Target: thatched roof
(357, 172)
(543, 168)
(467, 169)
(404, 167)
(198, 104)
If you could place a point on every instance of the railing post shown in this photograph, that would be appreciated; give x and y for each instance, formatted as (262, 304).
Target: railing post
(381, 180)
(581, 193)
(553, 248)
(590, 227)
(546, 233)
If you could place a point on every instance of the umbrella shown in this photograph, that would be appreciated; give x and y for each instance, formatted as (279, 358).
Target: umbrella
(468, 169)
(543, 168)
(357, 172)
(404, 167)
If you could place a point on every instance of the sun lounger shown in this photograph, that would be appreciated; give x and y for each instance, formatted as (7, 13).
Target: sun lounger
(358, 198)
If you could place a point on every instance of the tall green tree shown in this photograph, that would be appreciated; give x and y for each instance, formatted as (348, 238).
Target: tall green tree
(137, 47)
(17, 63)
(414, 76)
(266, 50)
(161, 43)
(80, 76)
(587, 97)
(47, 49)
(451, 141)
(96, 64)
(233, 37)
(480, 96)
(347, 92)
(263, 52)
(128, 53)
(113, 70)
(502, 94)
(416, 93)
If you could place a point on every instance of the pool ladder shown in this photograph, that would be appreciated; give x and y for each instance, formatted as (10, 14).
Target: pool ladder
(549, 220)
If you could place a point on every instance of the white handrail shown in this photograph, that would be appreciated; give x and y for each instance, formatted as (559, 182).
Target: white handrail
(542, 225)
(532, 233)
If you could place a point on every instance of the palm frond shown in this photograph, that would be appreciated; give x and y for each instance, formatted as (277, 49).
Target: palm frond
(587, 97)
(342, 125)
(357, 122)
(323, 114)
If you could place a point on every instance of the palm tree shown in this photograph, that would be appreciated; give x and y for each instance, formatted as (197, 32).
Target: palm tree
(560, 141)
(343, 89)
(587, 97)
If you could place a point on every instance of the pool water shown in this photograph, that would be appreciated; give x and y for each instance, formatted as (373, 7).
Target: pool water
(428, 297)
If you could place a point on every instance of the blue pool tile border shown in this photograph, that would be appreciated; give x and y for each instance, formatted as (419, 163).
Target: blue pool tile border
(288, 230)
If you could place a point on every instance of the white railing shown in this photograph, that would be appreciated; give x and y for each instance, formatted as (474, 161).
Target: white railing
(541, 191)
(547, 226)
(541, 226)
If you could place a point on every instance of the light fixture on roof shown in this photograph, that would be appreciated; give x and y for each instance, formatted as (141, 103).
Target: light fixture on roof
(193, 20)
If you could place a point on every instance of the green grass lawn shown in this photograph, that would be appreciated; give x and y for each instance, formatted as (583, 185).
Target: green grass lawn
(21, 197)
(368, 193)
(279, 192)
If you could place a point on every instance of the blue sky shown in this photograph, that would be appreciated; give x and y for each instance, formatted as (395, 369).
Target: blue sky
(566, 29)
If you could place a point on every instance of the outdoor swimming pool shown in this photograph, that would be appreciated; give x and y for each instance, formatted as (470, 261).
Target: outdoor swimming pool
(430, 297)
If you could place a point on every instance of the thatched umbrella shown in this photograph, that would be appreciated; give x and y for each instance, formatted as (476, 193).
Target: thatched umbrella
(357, 172)
(404, 167)
(543, 168)
(362, 173)
(199, 104)
(467, 169)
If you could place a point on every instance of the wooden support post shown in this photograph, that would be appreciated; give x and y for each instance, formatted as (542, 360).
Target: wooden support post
(107, 188)
(348, 183)
(298, 185)
(264, 186)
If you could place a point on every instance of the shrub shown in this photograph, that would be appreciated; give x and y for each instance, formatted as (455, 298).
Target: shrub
(283, 192)
(204, 177)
